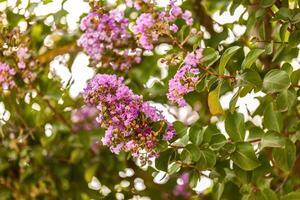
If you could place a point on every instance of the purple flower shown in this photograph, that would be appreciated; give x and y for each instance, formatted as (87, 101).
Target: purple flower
(145, 25)
(175, 11)
(187, 16)
(126, 116)
(170, 132)
(186, 79)
(6, 77)
(21, 65)
(84, 119)
(183, 189)
(174, 28)
(105, 40)
(149, 26)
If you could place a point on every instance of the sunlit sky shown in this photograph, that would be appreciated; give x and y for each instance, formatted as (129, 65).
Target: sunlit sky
(80, 72)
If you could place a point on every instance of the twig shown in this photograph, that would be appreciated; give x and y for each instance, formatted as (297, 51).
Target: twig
(216, 74)
(51, 54)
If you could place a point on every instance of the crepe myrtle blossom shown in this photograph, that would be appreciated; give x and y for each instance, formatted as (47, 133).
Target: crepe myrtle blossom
(22, 55)
(84, 118)
(185, 79)
(7, 74)
(129, 121)
(183, 189)
(149, 26)
(107, 41)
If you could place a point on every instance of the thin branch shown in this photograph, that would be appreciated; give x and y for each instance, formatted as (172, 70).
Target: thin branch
(51, 54)
(216, 74)
(265, 41)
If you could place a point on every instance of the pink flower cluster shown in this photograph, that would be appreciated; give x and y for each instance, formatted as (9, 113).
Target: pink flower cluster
(127, 118)
(149, 26)
(83, 119)
(6, 77)
(185, 79)
(17, 49)
(106, 40)
(183, 188)
(22, 54)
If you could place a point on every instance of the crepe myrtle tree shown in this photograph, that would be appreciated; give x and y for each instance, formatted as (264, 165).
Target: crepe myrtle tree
(124, 136)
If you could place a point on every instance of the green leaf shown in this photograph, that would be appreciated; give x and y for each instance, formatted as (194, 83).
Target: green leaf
(47, 1)
(90, 172)
(194, 178)
(163, 161)
(196, 135)
(296, 18)
(182, 141)
(251, 58)
(284, 14)
(287, 67)
(244, 157)
(286, 157)
(180, 128)
(210, 56)
(295, 77)
(294, 38)
(229, 148)
(235, 126)
(292, 196)
(217, 142)
(162, 145)
(210, 131)
(174, 168)
(207, 159)
(285, 100)
(260, 12)
(242, 175)
(262, 30)
(283, 32)
(193, 151)
(218, 191)
(278, 51)
(76, 155)
(228, 53)
(267, 3)
(265, 194)
(251, 78)
(276, 80)
(214, 104)
(272, 119)
(272, 139)
(255, 133)
(234, 100)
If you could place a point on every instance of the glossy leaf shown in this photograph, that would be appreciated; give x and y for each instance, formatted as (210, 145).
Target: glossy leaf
(244, 157)
(275, 81)
(228, 53)
(235, 126)
(214, 102)
(251, 57)
(285, 158)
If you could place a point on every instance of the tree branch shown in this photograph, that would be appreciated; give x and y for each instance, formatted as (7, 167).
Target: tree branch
(51, 54)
